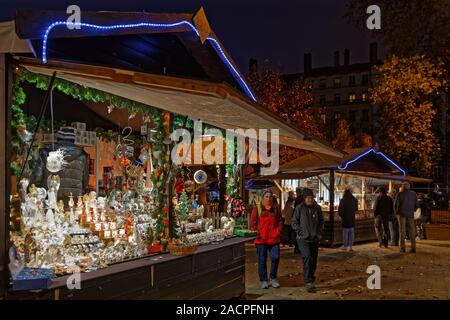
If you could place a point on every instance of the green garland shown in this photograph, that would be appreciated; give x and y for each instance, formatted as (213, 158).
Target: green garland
(82, 93)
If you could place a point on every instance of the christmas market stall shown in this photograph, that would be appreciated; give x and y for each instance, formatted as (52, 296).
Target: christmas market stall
(362, 170)
(92, 203)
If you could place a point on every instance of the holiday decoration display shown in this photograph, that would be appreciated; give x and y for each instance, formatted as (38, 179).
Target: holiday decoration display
(200, 177)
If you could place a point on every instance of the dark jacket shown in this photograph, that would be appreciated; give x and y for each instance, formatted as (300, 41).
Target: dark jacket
(347, 211)
(74, 176)
(406, 204)
(308, 222)
(298, 200)
(384, 206)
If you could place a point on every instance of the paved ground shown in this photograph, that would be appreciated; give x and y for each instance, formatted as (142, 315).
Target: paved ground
(342, 275)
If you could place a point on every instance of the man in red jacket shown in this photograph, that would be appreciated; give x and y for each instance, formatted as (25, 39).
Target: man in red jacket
(267, 220)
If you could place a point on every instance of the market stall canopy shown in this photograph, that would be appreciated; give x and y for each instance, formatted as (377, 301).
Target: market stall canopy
(361, 160)
(366, 162)
(174, 62)
(10, 42)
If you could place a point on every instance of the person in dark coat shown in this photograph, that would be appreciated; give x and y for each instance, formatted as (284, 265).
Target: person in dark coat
(405, 206)
(393, 222)
(383, 210)
(421, 222)
(308, 225)
(267, 220)
(299, 199)
(288, 212)
(74, 176)
(347, 211)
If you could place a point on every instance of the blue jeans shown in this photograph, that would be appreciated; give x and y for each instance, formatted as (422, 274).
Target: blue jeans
(274, 253)
(348, 235)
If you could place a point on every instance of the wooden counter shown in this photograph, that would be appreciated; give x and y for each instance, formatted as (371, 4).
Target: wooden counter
(215, 271)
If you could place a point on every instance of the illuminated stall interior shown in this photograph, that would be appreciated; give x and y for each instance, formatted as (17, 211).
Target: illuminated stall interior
(362, 170)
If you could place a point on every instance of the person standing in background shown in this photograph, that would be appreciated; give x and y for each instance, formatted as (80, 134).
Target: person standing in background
(287, 213)
(347, 211)
(393, 222)
(299, 199)
(405, 206)
(383, 210)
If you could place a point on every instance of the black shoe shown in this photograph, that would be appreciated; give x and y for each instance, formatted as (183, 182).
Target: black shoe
(310, 287)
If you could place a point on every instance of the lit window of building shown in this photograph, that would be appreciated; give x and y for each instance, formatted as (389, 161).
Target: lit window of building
(351, 97)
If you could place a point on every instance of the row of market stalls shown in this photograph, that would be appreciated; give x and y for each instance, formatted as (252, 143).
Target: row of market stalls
(362, 170)
(112, 208)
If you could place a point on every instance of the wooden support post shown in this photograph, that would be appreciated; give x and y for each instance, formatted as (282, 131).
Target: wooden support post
(390, 186)
(6, 81)
(331, 192)
(363, 193)
(170, 216)
(222, 188)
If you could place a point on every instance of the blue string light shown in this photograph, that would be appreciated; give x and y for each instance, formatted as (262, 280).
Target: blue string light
(215, 43)
(231, 67)
(371, 150)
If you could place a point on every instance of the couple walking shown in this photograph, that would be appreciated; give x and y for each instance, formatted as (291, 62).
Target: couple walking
(401, 209)
(307, 224)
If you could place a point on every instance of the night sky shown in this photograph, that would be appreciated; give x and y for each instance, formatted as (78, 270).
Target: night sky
(276, 32)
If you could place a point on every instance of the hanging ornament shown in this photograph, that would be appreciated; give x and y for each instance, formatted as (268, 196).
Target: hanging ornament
(55, 161)
(200, 176)
(144, 156)
(189, 186)
(124, 162)
(132, 115)
(110, 108)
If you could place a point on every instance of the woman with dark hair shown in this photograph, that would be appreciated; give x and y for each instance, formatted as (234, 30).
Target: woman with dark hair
(267, 220)
(347, 211)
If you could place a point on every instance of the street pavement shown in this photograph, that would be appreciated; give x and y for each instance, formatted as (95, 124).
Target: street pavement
(342, 275)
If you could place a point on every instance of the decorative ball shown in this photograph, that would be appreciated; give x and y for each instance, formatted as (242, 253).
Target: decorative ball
(200, 176)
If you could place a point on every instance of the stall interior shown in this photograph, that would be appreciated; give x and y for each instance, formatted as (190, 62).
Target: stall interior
(87, 195)
(363, 188)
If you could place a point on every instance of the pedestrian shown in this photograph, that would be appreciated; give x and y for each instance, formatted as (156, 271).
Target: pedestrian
(383, 210)
(421, 220)
(393, 223)
(267, 220)
(347, 211)
(287, 213)
(299, 199)
(405, 206)
(308, 225)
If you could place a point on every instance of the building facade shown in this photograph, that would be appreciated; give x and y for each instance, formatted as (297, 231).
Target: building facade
(341, 92)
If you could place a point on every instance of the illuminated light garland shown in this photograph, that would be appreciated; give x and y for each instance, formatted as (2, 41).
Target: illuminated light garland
(371, 150)
(231, 67)
(215, 43)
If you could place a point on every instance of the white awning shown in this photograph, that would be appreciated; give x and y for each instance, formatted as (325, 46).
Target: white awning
(9, 41)
(214, 103)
